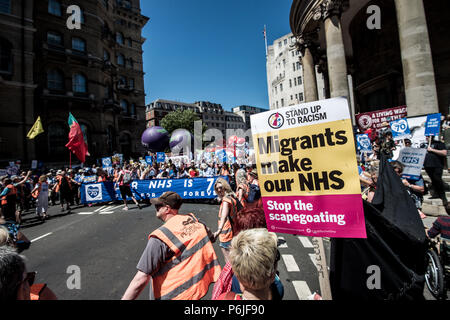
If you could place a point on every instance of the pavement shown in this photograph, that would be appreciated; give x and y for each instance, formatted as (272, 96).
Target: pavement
(102, 244)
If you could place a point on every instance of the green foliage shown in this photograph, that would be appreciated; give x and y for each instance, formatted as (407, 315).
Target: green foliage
(181, 119)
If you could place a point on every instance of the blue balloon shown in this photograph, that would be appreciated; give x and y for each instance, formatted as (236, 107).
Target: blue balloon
(156, 139)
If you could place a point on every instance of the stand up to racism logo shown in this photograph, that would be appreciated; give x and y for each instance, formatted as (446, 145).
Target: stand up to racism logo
(276, 121)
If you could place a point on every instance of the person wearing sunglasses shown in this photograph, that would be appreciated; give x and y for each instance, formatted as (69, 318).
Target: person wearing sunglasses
(16, 283)
(177, 254)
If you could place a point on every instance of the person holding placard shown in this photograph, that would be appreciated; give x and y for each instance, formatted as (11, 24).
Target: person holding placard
(434, 166)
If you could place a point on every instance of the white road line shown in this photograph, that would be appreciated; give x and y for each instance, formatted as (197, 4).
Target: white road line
(313, 258)
(305, 242)
(290, 263)
(100, 209)
(85, 213)
(114, 208)
(284, 244)
(39, 238)
(302, 289)
(106, 212)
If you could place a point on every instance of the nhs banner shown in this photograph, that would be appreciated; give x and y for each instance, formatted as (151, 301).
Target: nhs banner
(400, 129)
(97, 193)
(364, 143)
(198, 188)
(413, 159)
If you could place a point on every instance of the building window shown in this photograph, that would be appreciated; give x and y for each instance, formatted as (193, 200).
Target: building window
(130, 63)
(295, 81)
(78, 44)
(57, 139)
(54, 7)
(5, 6)
(119, 38)
(54, 38)
(5, 56)
(293, 66)
(120, 60)
(300, 95)
(290, 83)
(79, 83)
(133, 109)
(131, 83)
(298, 65)
(282, 102)
(281, 87)
(299, 80)
(122, 81)
(55, 80)
(124, 106)
(106, 55)
(130, 42)
(285, 41)
(279, 44)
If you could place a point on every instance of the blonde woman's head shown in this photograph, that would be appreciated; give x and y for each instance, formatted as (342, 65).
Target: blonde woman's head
(222, 188)
(253, 256)
(4, 236)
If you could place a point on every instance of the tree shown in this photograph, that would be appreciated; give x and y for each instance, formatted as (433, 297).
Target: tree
(181, 120)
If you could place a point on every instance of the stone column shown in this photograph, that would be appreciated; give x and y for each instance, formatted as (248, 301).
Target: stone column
(337, 64)
(309, 76)
(418, 71)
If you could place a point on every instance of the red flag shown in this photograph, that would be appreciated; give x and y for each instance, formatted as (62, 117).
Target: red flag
(76, 144)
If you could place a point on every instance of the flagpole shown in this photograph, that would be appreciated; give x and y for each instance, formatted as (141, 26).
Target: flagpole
(265, 40)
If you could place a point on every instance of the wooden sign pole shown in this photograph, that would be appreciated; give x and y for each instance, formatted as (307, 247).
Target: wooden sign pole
(324, 279)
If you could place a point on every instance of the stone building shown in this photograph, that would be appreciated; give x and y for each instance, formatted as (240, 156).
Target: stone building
(17, 87)
(245, 112)
(402, 60)
(285, 73)
(158, 109)
(95, 72)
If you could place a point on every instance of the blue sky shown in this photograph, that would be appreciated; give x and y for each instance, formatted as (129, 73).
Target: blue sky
(210, 50)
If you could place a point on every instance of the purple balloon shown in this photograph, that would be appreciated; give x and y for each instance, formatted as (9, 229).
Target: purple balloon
(156, 139)
(180, 139)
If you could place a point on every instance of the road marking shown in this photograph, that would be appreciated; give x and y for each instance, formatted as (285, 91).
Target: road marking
(313, 258)
(106, 212)
(305, 242)
(290, 263)
(100, 209)
(39, 238)
(85, 213)
(114, 208)
(302, 290)
(283, 244)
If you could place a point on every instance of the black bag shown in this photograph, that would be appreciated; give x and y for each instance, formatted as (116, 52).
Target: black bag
(254, 193)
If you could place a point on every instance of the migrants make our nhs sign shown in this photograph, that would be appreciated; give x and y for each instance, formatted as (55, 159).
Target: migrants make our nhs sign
(307, 170)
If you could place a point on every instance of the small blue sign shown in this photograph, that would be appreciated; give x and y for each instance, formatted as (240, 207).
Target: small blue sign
(364, 143)
(149, 160)
(160, 157)
(400, 129)
(433, 125)
(107, 162)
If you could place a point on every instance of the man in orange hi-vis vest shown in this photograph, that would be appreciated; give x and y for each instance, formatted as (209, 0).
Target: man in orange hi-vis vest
(179, 257)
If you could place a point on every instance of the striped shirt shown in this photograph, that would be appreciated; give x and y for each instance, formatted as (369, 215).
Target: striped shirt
(440, 226)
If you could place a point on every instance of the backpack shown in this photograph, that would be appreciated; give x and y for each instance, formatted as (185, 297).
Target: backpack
(254, 193)
(127, 178)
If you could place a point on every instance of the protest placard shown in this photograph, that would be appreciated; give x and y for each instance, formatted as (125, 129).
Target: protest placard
(107, 162)
(400, 129)
(363, 143)
(413, 159)
(376, 119)
(433, 125)
(307, 169)
(160, 157)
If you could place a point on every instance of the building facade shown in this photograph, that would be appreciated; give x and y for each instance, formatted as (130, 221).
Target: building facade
(245, 112)
(212, 114)
(285, 73)
(379, 54)
(17, 86)
(95, 73)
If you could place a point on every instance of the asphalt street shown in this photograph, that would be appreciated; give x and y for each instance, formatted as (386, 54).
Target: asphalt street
(103, 245)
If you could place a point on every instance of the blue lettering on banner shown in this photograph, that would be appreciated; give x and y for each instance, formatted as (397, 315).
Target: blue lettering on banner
(198, 188)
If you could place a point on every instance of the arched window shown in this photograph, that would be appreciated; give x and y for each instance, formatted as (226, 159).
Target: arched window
(78, 44)
(120, 59)
(133, 109)
(5, 56)
(124, 105)
(57, 139)
(55, 80)
(79, 83)
(119, 38)
(54, 7)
